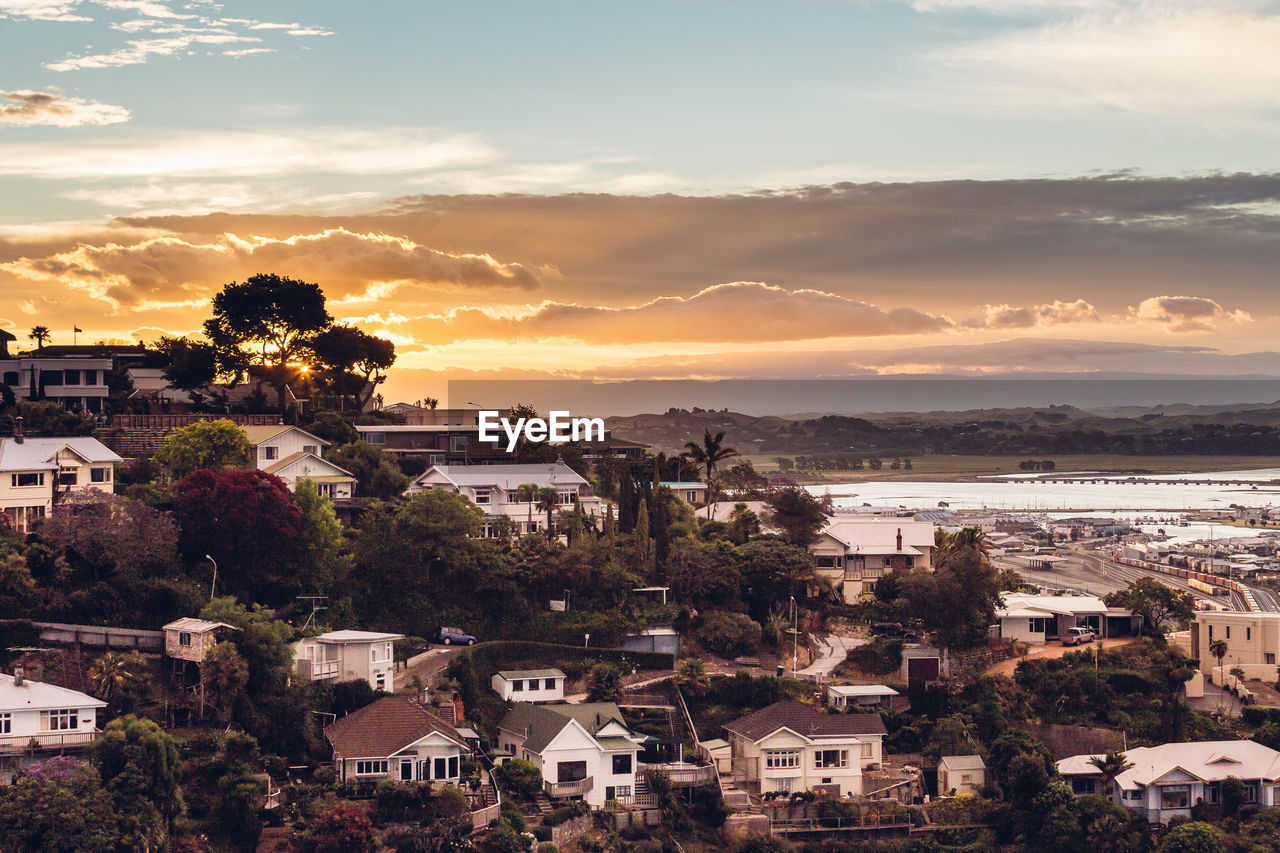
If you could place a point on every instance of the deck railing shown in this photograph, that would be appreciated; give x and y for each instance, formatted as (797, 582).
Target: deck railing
(569, 789)
(10, 744)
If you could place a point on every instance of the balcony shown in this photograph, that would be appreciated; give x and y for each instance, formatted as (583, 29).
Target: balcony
(557, 790)
(683, 775)
(14, 744)
(317, 670)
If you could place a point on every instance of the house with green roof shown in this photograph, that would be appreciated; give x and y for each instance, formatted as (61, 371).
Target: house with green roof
(529, 685)
(585, 752)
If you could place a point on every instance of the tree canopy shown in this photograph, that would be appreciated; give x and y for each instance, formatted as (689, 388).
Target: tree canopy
(211, 445)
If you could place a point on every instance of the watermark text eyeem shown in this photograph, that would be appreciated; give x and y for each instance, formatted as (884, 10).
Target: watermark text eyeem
(559, 428)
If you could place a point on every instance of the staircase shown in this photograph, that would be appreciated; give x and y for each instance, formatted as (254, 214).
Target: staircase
(643, 796)
(543, 802)
(448, 712)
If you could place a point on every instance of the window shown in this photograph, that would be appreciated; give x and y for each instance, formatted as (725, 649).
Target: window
(11, 378)
(620, 792)
(70, 377)
(270, 453)
(1210, 632)
(184, 638)
(311, 448)
(6, 723)
(549, 684)
(830, 758)
(566, 498)
(781, 759)
(51, 377)
(100, 475)
(517, 685)
(621, 764)
(371, 768)
(91, 377)
(58, 721)
(783, 784)
(1082, 785)
(441, 769)
(1251, 792)
(27, 479)
(482, 496)
(1038, 625)
(868, 751)
(1228, 632)
(1175, 796)
(571, 771)
(457, 444)
(375, 437)
(380, 683)
(453, 767)
(1269, 658)
(68, 476)
(1248, 633)
(513, 497)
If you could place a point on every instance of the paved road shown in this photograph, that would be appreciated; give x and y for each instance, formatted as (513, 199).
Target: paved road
(831, 652)
(426, 666)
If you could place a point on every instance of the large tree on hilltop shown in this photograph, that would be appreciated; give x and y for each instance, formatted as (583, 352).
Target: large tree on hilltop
(352, 363)
(265, 322)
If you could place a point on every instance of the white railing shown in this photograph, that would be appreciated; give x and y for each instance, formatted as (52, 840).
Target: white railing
(569, 789)
(45, 740)
(684, 775)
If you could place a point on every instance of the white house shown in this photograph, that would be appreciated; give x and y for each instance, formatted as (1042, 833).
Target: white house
(790, 746)
(347, 656)
(77, 382)
(964, 774)
(689, 491)
(37, 719)
(398, 740)
(1166, 781)
(293, 454)
(34, 470)
(529, 685)
(496, 490)
(856, 552)
(585, 752)
(859, 695)
(1034, 618)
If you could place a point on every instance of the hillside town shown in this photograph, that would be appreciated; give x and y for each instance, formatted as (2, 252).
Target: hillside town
(252, 606)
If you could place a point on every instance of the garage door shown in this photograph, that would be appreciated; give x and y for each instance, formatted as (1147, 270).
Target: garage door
(922, 669)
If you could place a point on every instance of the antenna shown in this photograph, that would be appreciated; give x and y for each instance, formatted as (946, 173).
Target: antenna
(318, 603)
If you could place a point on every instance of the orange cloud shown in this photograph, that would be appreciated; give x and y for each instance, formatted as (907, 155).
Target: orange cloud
(165, 271)
(1183, 314)
(1054, 313)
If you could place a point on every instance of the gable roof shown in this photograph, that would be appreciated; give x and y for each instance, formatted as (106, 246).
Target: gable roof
(351, 636)
(292, 458)
(511, 674)
(386, 727)
(193, 625)
(539, 724)
(1209, 761)
(874, 535)
(36, 454)
(1030, 604)
(259, 434)
(505, 476)
(962, 762)
(38, 696)
(804, 720)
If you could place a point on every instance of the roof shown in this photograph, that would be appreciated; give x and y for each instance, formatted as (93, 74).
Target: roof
(962, 762)
(386, 727)
(617, 743)
(862, 690)
(356, 636)
(196, 626)
(506, 476)
(259, 434)
(35, 453)
(37, 696)
(510, 674)
(539, 724)
(805, 720)
(1028, 604)
(1209, 761)
(683, 484)
(284, 463)
(872, 532)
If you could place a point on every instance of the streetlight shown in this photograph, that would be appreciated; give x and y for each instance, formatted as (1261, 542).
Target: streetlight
(213, 585)
(795, 636)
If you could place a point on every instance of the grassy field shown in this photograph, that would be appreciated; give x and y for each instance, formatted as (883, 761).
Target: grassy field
(948, 468)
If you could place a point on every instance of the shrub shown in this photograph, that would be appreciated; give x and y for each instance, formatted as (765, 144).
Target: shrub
(565, 813)
(729, 635)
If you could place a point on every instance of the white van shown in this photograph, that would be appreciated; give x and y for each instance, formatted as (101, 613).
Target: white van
(1077, 635)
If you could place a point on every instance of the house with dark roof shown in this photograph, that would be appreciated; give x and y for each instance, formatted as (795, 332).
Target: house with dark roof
(790, 746)
(396, 739)
(585, 752)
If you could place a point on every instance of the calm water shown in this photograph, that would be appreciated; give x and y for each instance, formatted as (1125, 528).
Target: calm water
(1026, 494)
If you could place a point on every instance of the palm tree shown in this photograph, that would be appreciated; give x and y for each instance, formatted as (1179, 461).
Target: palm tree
(1110, 764)
(41, 335)
(528, 493)
(710, 453)
(692, 676)
(549, 501)
(1218, 648)
(114, 673)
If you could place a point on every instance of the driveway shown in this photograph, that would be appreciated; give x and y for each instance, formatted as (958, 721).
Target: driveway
(1055, 650)
(831, 652)
(427, 666)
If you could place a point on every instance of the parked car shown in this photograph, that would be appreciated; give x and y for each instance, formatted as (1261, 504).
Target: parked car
(454, 637)
(1077, 635)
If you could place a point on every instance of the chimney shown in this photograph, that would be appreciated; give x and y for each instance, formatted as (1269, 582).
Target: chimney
(17, 676)
(17, 429)
(899, 538)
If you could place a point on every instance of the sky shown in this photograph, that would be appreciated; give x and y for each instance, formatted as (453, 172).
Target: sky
(659, 188)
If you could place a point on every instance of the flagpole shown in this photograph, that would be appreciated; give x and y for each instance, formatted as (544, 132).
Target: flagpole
(75, 330)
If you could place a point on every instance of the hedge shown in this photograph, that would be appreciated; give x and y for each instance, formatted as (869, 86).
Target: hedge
(488, 658)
